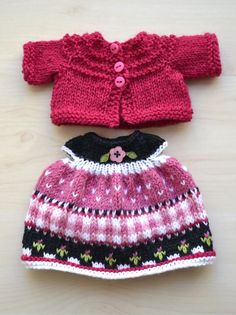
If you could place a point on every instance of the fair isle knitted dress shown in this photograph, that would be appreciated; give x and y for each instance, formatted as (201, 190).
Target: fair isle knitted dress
(116, 208)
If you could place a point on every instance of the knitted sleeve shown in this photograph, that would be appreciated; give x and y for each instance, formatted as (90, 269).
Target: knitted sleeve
(197, 56)
(41, 61)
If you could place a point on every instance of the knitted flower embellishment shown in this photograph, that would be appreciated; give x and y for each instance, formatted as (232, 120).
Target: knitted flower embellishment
(39, 245)
(110, 259)
(86, 255)
(207, 238)
(117, 155)
(62, 251)
(135, 258)
(160, 253)
(183, 246)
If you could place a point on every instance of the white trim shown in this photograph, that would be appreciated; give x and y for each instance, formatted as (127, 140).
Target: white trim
(125, 168)
(173, 265)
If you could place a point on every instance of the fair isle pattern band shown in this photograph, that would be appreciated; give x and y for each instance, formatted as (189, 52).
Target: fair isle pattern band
(174, 264)
(117, 191)
(104, 212)
(118, 228)
(124, 168)
(39, 245)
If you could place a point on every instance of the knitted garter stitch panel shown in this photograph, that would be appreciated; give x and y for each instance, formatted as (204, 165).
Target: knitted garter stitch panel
(197, 56)
(42, 61)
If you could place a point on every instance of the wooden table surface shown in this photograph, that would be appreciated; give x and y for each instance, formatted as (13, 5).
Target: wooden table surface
(30, 142)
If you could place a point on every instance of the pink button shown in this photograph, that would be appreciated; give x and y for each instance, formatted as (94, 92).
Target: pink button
(119, 66)
(114, 48)
(119, 81)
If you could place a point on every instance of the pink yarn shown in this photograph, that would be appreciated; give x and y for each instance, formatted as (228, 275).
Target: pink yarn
(117, 154)
(116, 191)
(150, 188)
(113, 230)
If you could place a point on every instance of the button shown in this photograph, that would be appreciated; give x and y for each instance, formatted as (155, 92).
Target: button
(114, 48)
(119, 66)
(119, 81)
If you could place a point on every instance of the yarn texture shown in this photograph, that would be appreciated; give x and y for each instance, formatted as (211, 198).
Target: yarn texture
(139, 82)
(115, 209)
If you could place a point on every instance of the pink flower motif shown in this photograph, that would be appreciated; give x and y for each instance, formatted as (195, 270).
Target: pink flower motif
(117, 154)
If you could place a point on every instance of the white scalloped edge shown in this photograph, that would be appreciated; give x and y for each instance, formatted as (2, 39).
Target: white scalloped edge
(125, 168)
(173, 265)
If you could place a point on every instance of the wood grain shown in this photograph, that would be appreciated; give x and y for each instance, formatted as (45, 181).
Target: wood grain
(29, 142)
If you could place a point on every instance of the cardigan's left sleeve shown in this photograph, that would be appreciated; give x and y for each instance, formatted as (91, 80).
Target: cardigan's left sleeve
(41, 61)
(197, 56)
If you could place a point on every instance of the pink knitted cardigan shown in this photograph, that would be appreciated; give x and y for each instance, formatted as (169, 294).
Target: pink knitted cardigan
(139, 82)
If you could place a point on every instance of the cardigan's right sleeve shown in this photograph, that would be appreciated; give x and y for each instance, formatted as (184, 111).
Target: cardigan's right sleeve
(41, 61)
(197, 56)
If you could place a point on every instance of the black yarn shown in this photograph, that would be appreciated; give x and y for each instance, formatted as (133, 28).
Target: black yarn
(98, 252)
(91, 146)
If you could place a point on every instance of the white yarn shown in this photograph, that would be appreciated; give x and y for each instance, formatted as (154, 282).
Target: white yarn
(125, 168)
(172, 265)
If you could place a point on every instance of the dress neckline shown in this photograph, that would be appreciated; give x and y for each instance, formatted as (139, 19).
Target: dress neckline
(122, 149)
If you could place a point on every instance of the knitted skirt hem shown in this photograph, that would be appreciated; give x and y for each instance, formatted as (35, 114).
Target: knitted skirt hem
(199, 259)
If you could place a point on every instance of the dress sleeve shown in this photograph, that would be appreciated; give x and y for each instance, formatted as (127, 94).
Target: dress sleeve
(197, 56)
(41, 61)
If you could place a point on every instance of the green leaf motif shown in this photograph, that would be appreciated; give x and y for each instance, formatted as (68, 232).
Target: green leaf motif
(132, 155)
(185, 250)
(110, 260)
(160, 255)
(38, 245)
(104, 158)
(86, 257)
(207, 240)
